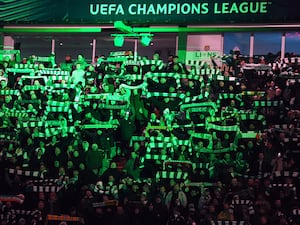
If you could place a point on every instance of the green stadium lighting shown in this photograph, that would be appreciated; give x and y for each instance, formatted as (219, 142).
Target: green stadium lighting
(146, 40)
(122, 27)
(119, 41)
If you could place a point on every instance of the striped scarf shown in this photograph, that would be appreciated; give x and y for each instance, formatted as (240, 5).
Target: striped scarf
(12, 198)
(171, 175)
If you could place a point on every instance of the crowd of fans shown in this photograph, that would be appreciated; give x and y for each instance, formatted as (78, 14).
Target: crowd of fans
(126, 141)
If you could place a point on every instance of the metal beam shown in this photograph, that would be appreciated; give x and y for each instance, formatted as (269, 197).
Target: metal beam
(51, 29)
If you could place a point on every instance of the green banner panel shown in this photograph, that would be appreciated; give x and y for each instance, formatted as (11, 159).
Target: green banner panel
(148, 12)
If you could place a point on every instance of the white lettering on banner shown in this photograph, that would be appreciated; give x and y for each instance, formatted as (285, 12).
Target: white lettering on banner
(252, 7)
(106, 9)
(161, 9)
(141, 9)
(172, 7)
(168, 9)
(202, 55)
(103, 9)
(242, 8)
(132, 9)
(186, 8)
(151, 10)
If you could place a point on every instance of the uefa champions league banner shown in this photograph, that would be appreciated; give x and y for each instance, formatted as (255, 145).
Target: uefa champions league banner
(147, 12)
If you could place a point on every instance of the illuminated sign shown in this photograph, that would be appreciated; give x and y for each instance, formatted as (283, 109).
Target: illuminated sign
(148, 12)
(202, 55)
(180, 8)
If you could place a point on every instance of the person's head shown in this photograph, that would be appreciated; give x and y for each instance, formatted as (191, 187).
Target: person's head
(6, 62)
(133, 155)
(8, 99)
(78, 66)
(191, 84)
(135, 187)
(80, 57)
(3, 84)
(221, 84)
(212, 157)
(226, 206)
(163, 80)
(113, 165)
(76, 173)
(211, 208)
(95, 105)
(61, 170)
(239, 156)
(94, 147)
(57, 151)
(136, 210)
(93, 90)
(175, 59)
(43, 166)
(170, 58)
(157, 199)
(105, 87)
(91, 68)
(136, 146)
(156, 56)
(33, 96)
(21, 221)
(227, 157)
(232, 103)
(185, 81)
(243, 86)
(66, 97)
(250, 144)
(162, 189)
(200, 145)
(263, 219)
(226, 136)
(53, 196)
(41, 66)
(172, 89)
(278, 203)
(41, 205)
(176, 67)
(85, 144)
(176, 188)
(70, 165)
(76, 154)
(167, 100)
(153, 116)
(120, 210)
(278, 92)
(29, 141)
(68, 58)
(88, 193)
(135, 69)
(81, 166)
(261, 156)
(41, 144)
(70, 148)
(234, 182)
(88, 115)
(111, 179)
